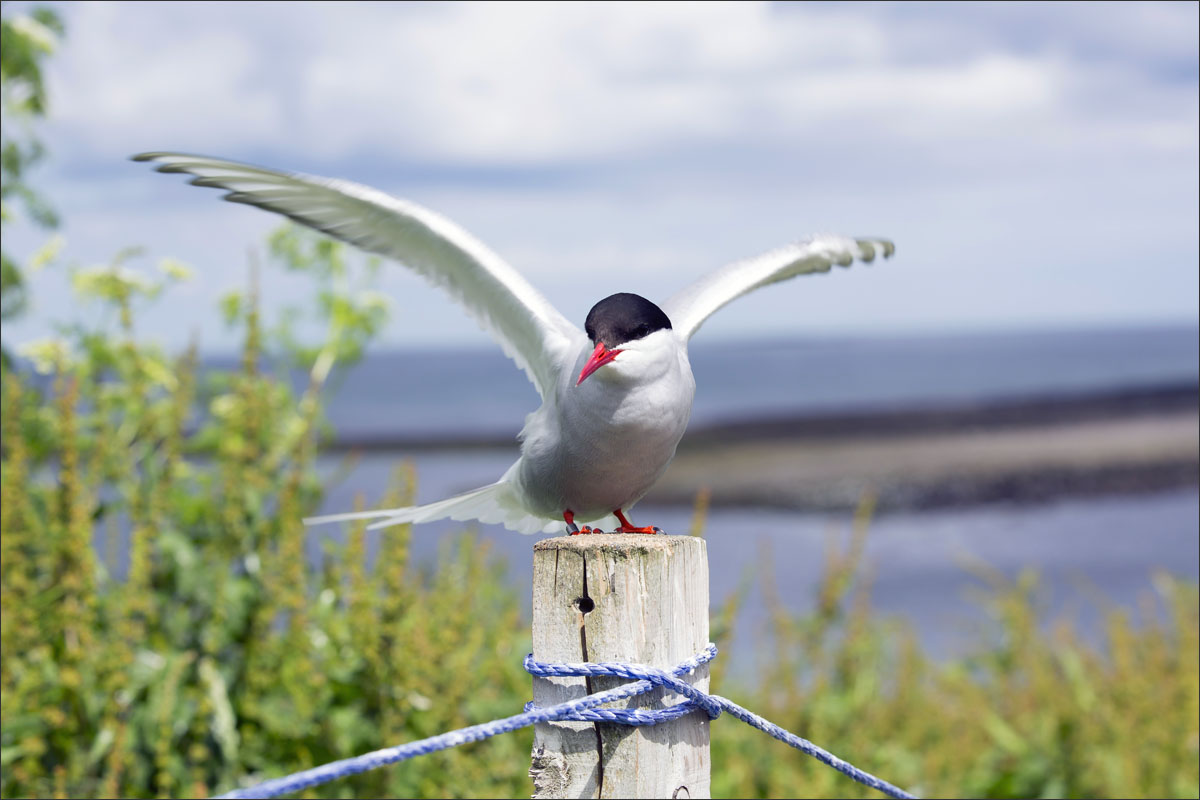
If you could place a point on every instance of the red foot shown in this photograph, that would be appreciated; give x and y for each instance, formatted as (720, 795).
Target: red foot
(575, 530)
(626, 527)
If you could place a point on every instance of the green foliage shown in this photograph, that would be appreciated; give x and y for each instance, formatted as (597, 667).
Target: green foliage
(227, 655)
(1029, 714)
(352, 312)
(26, 40)
(223, 655)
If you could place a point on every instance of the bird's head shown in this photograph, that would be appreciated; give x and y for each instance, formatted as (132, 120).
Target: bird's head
(628, 325)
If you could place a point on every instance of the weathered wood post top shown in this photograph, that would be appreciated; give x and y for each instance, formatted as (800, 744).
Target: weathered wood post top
(632, 598)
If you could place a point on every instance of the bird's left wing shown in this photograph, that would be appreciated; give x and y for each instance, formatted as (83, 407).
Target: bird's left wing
(689, 308)
(530, 330)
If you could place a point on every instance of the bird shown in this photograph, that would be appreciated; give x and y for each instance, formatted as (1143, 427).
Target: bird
(616, 396)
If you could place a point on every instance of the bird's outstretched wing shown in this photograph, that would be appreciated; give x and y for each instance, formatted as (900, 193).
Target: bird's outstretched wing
(532, 332)
(690, 307)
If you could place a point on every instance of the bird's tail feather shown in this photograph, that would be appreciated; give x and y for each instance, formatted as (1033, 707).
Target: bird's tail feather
(495, 503)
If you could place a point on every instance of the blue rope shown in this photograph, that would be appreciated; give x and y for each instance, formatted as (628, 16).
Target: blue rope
(585, 709)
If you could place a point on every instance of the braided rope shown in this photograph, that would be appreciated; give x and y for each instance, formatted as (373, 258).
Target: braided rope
(587, 709)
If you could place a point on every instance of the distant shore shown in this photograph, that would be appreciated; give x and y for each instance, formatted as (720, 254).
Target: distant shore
(1016, 450)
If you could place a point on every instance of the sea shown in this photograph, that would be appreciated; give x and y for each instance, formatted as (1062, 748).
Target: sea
(926, 567)
(465, 395)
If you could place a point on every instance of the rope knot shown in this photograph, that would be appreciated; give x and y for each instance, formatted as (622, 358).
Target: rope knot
(644, 679)
(586, 709)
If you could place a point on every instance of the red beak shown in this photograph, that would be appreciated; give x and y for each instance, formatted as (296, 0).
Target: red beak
(600, 357)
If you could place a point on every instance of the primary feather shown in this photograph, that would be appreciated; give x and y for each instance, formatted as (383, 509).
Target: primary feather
(690, 307)
(530, 330)
(592, 447)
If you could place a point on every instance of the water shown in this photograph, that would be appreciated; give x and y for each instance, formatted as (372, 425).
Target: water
(920, 562)
(468, 393)
(1107, 548)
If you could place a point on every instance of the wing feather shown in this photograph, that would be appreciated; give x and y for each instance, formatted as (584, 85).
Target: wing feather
(689, 308)
(530, 330)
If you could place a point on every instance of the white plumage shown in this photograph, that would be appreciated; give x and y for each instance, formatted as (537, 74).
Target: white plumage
(597, 444)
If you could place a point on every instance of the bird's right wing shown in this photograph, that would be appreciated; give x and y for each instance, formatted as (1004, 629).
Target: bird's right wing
(689, 308)
(530, 330)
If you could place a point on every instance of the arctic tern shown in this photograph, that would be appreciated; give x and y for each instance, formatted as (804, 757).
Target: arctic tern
(616, 396)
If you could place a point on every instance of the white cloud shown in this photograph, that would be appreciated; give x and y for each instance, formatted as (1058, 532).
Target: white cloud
(532, 83)
(529, 83)
(1013, 150)
(124, 80)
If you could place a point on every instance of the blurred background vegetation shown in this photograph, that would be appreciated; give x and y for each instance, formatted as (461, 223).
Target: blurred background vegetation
(165, 632)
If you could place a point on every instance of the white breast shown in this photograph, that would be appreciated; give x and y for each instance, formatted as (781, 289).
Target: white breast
(601, 445)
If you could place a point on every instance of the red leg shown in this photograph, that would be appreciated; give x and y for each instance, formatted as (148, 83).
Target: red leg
(575, 530)
(626, 527)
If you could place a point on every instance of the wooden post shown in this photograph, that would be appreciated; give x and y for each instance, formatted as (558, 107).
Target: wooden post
(634, 598)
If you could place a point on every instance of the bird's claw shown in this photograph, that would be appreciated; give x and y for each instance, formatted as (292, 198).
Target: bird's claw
(631, 529)
(585, 529)
(628, 527)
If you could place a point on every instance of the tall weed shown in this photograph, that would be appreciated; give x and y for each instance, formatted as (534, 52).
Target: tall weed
(221, 653)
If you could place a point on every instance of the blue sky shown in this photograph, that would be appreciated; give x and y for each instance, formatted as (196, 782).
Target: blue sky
(1036, 165)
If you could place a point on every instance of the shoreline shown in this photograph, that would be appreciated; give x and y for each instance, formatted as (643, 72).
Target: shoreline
(1021, 450)
(1019, 488)
(984, 414)
(1013, 463)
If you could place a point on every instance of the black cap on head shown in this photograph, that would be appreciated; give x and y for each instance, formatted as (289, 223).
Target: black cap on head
(622, 318)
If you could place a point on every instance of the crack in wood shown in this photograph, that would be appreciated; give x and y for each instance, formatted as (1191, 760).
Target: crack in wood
(654, 592)
(588, 684)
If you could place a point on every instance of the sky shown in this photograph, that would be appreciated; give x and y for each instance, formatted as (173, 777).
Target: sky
(1036, 165)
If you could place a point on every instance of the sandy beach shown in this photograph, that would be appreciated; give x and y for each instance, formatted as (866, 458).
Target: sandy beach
(1019, 451)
